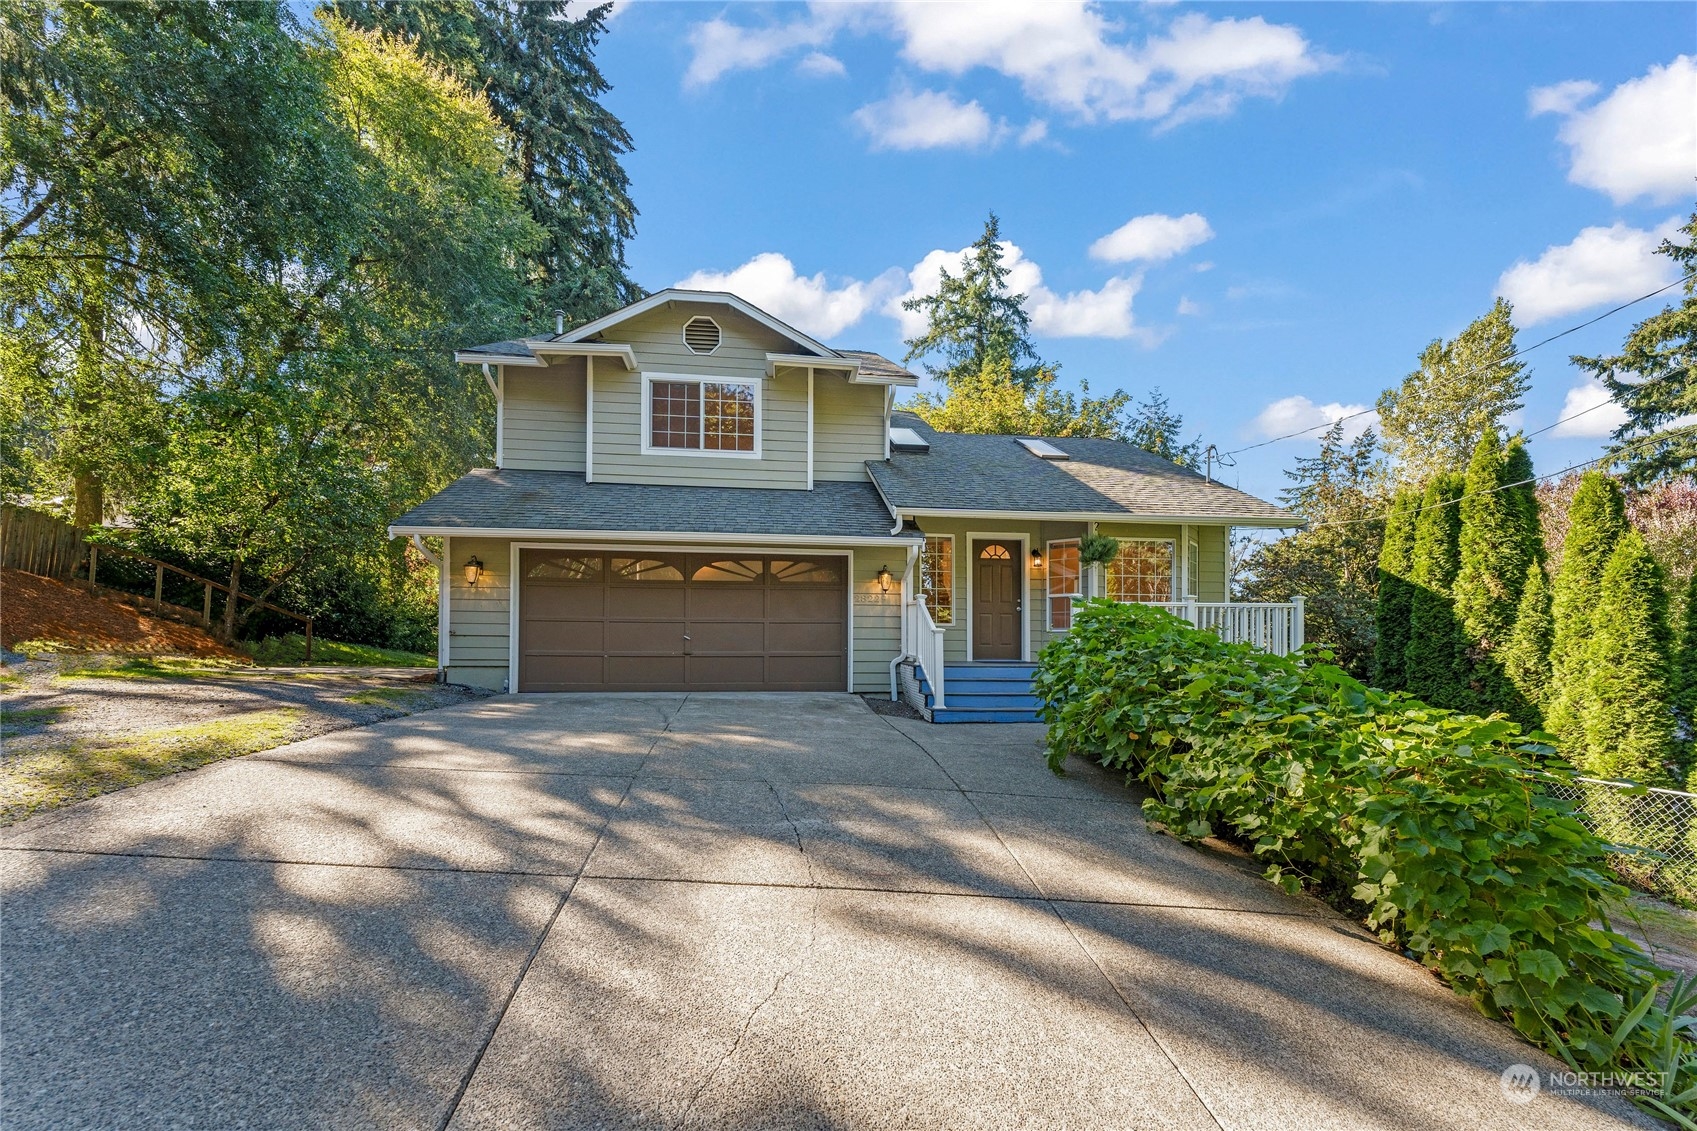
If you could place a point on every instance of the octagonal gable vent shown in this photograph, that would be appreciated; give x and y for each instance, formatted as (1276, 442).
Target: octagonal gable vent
(701, 334)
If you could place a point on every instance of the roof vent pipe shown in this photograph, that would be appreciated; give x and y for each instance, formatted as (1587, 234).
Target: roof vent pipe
(559, 322)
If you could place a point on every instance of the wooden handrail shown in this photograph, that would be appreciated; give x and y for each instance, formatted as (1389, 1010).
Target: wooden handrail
(159, 568)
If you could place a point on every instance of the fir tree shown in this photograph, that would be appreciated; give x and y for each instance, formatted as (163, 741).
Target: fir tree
(1396, 592)
(1596, 520)
(1435, 655)
(1629, 719)
(975, 321)
(1156, 428)
(1496, 547)
(1526, 659)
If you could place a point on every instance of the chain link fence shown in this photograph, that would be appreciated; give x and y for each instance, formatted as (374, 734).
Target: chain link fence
(1654, 829)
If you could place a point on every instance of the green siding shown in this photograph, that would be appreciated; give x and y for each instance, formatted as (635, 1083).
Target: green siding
(542, 416)
(848, 426)
(657, 340)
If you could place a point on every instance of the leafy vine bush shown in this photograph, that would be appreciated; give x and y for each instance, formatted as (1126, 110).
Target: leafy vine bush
(1432, 826)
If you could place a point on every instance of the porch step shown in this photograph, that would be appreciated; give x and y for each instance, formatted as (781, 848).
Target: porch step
(984, 693)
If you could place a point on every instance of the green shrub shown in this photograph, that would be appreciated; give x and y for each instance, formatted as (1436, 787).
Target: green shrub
(1433, 826)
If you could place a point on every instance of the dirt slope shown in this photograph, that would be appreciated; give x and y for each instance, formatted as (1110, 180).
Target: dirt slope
(38, 608)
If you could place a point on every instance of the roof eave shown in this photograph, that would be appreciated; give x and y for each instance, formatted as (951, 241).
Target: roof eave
(1270, 522)
(683, 537)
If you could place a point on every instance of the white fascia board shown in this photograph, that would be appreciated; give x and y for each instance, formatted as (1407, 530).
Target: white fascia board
(585, 349)
(1291, 523)
(777, 361)
(686, 537)
(674, 294)
(472, 357)
(902, 382)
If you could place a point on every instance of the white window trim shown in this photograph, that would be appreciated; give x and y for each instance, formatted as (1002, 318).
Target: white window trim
(1048, 575)
(954, 590)
(1173, 564)
(648, 449)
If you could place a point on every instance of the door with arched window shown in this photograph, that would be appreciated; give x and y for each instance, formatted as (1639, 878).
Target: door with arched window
(996, 603)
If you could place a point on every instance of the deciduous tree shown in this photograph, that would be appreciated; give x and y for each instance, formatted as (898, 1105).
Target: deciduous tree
(1433, 419)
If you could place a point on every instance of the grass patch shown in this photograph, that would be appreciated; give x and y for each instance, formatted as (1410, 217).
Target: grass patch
(9, 680)
(42, 778)
(143, 667)
(14, 723)
(291, 649)
(401, 698)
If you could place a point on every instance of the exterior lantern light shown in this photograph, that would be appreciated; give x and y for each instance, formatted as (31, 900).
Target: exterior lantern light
(473, 572)
(884, 579)
(1036, 561)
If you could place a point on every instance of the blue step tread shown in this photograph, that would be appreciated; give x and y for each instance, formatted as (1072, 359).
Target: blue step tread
(1009, 702)
(982, 715)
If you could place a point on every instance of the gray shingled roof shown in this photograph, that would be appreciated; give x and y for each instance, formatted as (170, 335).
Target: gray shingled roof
(876, 364)
(492, 499)
(1102, 477)
(501, 349)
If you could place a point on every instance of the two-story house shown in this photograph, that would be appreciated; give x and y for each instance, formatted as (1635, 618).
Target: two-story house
(689, 494)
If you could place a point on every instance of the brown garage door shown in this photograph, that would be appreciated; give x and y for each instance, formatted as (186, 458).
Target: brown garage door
(632, 621)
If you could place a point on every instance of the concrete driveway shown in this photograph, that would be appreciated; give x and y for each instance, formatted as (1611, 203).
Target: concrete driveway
(705, 911)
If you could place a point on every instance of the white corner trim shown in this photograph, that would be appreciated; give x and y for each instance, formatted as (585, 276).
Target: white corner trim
(500, 385)
(647, 394)
(589, 420)
(444, 608)
(513, 619)
(810, 428)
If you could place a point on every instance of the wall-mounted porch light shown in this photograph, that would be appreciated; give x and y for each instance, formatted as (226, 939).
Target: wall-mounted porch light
(473, 572)
(1037, 563)
(884, 579)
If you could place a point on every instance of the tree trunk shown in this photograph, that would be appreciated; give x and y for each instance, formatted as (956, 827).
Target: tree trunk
(229, 629)
(90, 500)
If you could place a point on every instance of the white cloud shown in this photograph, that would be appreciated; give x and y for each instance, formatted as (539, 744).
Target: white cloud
(1299, 414)
(1602, 414)
(1187, 308)
(1035, 131)
(928, 119)
(821, 65)
(809, 303)
(1102, 313)
(1600, 265)
(1153, 237)
(1641, 140)
(1066, 54)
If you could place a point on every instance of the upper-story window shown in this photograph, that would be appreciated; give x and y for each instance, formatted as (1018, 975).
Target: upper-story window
(714, 416)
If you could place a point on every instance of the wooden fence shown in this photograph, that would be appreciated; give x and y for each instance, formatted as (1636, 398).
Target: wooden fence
(39, 543)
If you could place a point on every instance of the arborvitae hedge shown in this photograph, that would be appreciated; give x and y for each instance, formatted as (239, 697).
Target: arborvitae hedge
(1596, 520)
(1629, 715)
(1497, 543)
(1526, 660)
(1396, 558)
(1435, 660)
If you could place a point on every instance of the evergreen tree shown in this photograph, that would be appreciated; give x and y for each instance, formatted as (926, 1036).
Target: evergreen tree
(1596, 519)
(1517, 475)
(1496, 546)
(1435, 656)
(1155, 428)
(1464, 386)
(1685, 663)
(1332, 562)
(1655, 379)
(1526, 659)
(1396, 592)
(975, 321)
(1629, 719)
(535, 63)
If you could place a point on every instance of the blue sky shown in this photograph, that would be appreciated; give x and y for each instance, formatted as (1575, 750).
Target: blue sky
(1265, 210)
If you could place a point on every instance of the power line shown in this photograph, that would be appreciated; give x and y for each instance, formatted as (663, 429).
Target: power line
(1521, 482)
(1486, 365)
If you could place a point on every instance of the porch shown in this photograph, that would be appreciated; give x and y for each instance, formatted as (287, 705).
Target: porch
(999, 691)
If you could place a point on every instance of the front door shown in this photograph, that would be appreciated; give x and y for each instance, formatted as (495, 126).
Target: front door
(996, 603)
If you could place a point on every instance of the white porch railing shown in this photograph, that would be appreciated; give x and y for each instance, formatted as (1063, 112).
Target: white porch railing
(1272, 628)
(923, 640)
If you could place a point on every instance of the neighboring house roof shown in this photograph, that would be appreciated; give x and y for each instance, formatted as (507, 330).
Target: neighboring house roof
(1101, 479)
(489, 500)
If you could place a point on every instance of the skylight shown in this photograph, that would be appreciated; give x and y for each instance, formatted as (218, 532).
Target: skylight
(1042, 449)
(907, 440)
